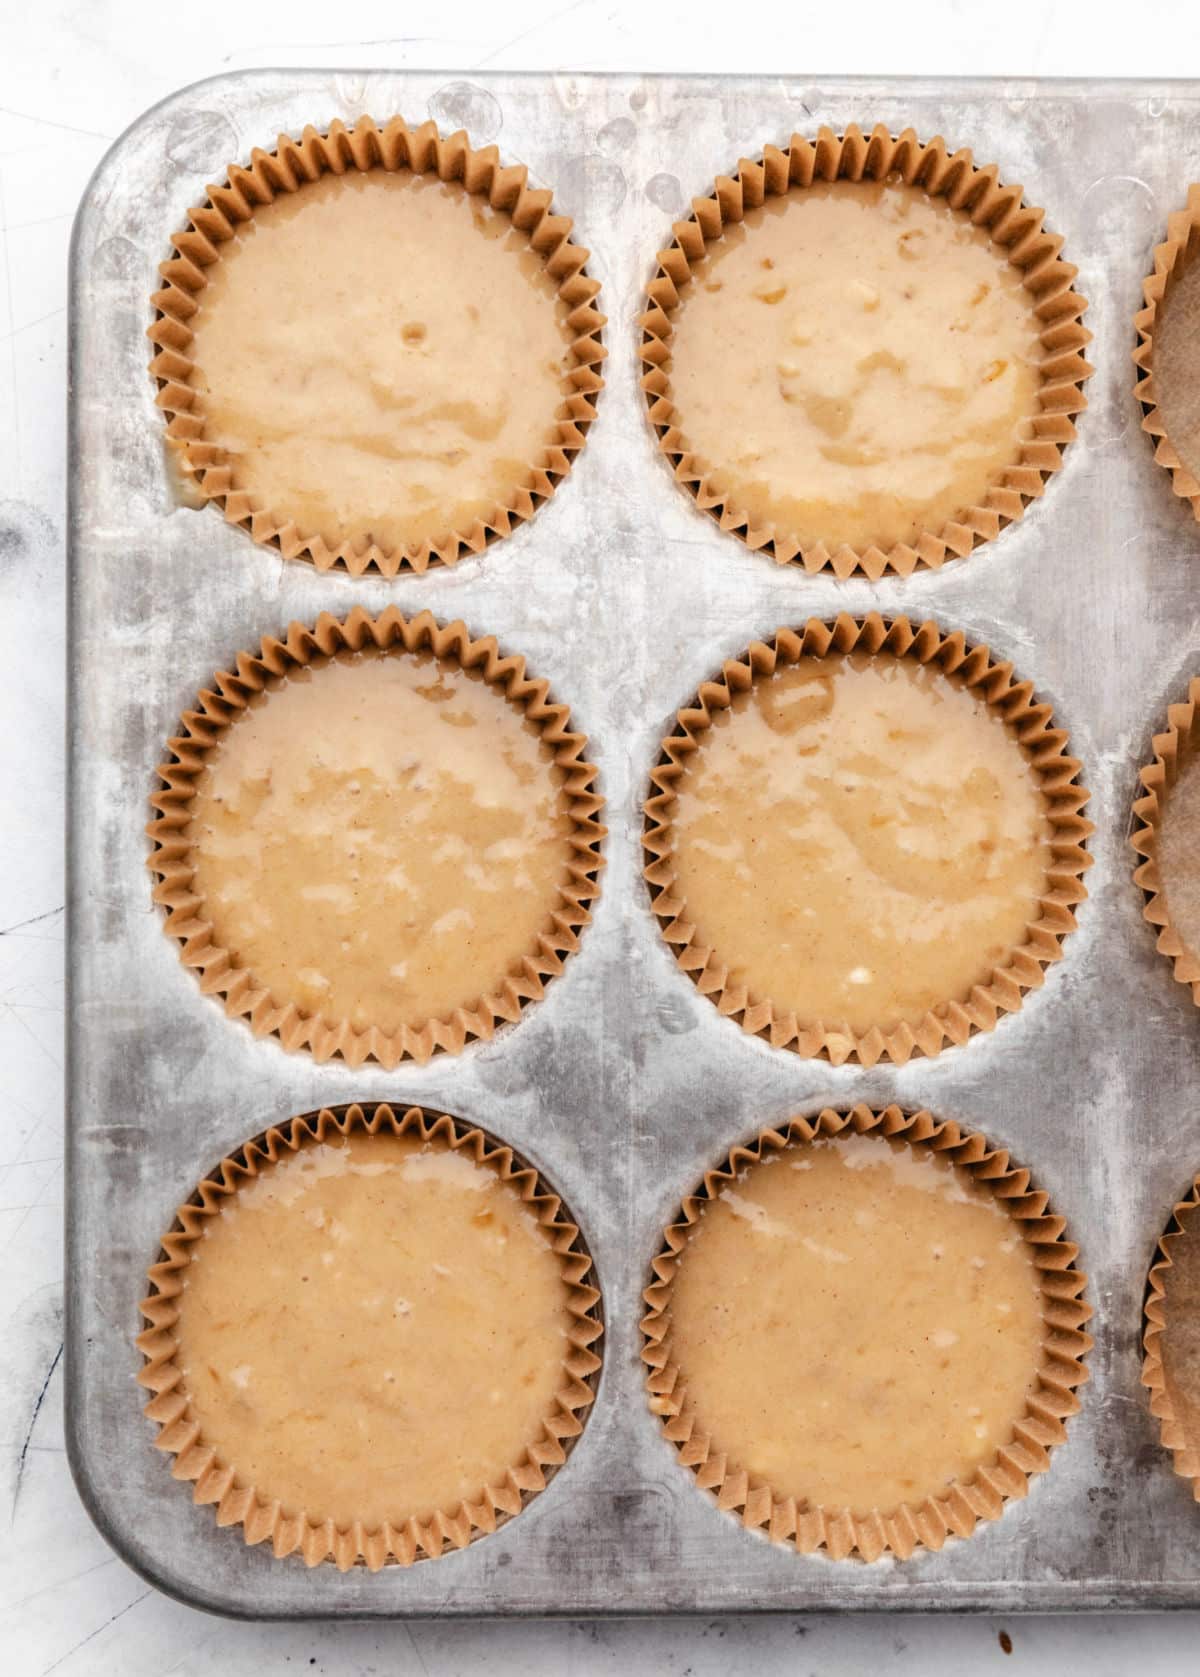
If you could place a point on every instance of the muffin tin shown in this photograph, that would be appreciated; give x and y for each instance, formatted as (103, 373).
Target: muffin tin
(625, 1084)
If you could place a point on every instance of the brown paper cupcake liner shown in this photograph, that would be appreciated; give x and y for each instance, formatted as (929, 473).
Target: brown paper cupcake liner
(171, 860)
(1179, 1435)
(957, 1510)
(1171, 751)
(1012, 224)
(287, 169)
(1171, 258)
(261, 1518)
(1031, 722)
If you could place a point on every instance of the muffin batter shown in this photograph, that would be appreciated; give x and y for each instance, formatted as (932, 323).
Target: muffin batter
(860, 839)
(1179, 853)
(373, 1329)
(855, 364)
(856, 1324)
(380, 839)
(383, 356)
(1176, 365)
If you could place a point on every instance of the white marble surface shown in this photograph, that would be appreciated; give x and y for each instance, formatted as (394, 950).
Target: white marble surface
(73, 73)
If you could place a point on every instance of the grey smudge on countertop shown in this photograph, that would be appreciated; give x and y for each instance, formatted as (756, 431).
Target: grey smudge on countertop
(27, 539)
(37, 1330)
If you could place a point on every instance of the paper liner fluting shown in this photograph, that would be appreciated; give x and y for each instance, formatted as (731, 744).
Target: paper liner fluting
(1172, 750)
(287, 169)
(1173, 1337)
(1031, 723)
(1012, 224)
(315, 1540)
(957, 1510)
(173, 865)
(1171, 260)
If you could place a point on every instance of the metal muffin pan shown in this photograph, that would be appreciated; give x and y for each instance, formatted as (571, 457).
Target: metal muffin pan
(624, 1084)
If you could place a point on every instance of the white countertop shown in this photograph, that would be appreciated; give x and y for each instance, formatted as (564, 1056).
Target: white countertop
(73, 74)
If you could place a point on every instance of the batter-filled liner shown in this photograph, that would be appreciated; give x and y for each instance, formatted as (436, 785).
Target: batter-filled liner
(1170, 411)
(1174, 756)
(957, 1510)
(214, 471)
(1171, 1368)
(1032, 725)
(172, 860)
(261, 1519)
(1013, 225)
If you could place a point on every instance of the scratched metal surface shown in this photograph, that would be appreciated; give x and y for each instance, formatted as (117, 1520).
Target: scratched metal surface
(625, 1083)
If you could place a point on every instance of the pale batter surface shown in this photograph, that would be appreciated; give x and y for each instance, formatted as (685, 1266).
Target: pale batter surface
(855, 363)
(1179, 853)
(383, 355)
(1177, 366)
(380, 839)
(373, 1330)
(857, 1324)
(860, 839)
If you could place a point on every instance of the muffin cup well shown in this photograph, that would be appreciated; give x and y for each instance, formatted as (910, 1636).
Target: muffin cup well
(287, 169)
(1171, 259)
(966, 186)
(171, 860)
(260, 1517)
(957, 1510)
(1032, 724)
(1174, 1284)
(1171, 751)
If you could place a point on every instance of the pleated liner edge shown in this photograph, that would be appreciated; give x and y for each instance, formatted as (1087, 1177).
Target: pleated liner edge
(1185, 1452)
(261, 1519)
(1171, 751)
(292, 165)
(242, 994)
(957, 1511)
(1171, 258)
(1012, 224)
(1033, 725)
